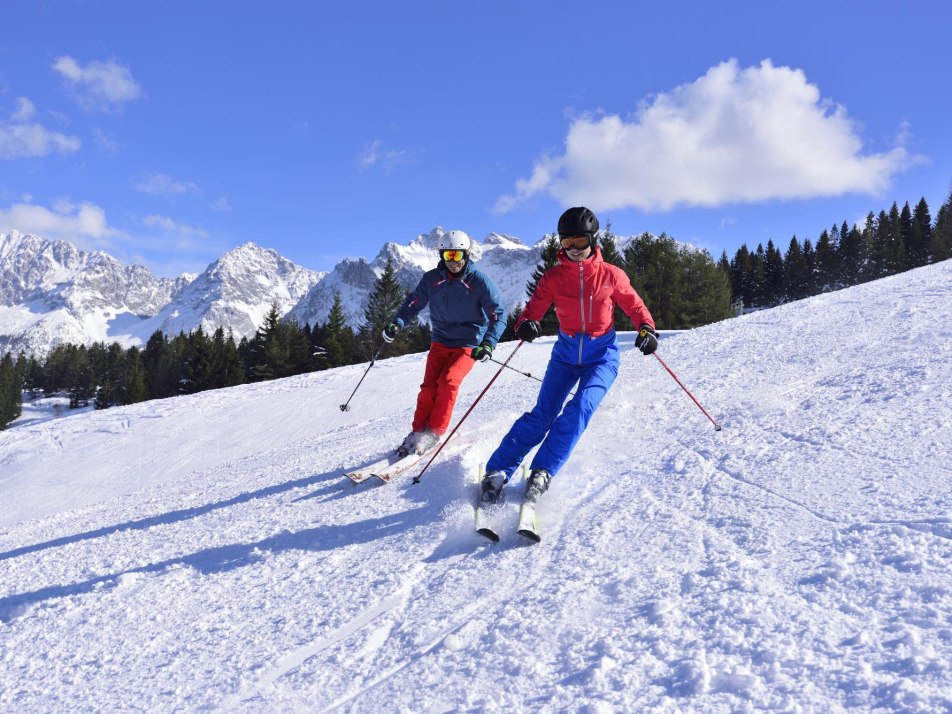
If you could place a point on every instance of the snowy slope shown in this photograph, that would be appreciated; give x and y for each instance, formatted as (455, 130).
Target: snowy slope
(206, 552)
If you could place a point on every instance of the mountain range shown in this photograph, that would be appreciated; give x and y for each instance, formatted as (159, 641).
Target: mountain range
(51, 292)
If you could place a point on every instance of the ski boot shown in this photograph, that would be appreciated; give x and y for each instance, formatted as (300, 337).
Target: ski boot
(537, 484)
(492, 485)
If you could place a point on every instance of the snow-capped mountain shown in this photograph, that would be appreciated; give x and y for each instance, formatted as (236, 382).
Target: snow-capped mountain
(505, 259)
(51, 292)
(234, 292)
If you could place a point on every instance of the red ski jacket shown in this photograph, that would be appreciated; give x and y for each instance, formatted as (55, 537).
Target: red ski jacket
(585, 295)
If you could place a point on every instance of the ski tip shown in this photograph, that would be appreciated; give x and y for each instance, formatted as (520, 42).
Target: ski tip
(531, 535)
(489, 533)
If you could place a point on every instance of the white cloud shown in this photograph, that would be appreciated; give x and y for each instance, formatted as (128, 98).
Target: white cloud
(375, 154)
(163, 185)
(83, 224)
(222, 204)
(168, 225)
(22, 138)
(99, 85)
(732, 136)
(24, 112)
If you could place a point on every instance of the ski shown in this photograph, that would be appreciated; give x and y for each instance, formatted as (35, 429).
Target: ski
(365, 472)
(528, 520)
(486, 512)
(385, 469)
(390, 467)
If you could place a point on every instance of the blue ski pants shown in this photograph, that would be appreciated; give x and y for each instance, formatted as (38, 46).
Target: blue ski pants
(590, 363)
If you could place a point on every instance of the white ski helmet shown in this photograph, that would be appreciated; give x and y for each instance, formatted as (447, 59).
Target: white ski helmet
(455, 240)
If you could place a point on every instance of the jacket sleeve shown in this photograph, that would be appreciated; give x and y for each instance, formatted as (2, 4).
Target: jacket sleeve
(414, 302)
(627, 298)
(492, 306)
(539, 302)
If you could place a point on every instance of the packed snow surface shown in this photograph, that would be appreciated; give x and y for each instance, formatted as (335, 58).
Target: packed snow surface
(207, 552)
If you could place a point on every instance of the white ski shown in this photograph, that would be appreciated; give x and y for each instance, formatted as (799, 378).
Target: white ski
(529, 521)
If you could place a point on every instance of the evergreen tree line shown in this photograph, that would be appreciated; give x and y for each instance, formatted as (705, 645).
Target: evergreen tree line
(110, 375)
(890, 243)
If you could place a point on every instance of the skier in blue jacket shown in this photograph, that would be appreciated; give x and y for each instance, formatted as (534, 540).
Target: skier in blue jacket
(467, 319)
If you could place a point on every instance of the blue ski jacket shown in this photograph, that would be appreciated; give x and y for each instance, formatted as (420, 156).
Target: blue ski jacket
(465, 308)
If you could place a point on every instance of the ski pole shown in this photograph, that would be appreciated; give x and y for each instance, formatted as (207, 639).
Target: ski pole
(346, 406)
(717, 427)
(524, 374)
(416, 479)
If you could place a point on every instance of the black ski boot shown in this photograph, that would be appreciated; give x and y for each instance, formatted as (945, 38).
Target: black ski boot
(537, 484)
(492, 485)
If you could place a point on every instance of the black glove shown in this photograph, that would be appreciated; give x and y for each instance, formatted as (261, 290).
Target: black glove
(483, 352)
(647, 340)
(529, 330)
(390, 332)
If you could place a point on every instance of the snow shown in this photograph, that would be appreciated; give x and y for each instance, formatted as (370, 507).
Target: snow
(206, 552)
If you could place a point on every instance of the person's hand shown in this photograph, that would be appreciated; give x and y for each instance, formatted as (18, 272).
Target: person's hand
(647, 340)
(483, 353)
(390, 332)
(529, 330)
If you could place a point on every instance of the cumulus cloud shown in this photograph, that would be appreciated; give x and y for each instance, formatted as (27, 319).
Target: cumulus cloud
(83, 224)
(99, 86)
(732, 136)
(163, 185)
(21, 137)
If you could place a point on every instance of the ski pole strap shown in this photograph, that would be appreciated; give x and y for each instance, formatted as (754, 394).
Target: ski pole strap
(416, 479)
(717, 427)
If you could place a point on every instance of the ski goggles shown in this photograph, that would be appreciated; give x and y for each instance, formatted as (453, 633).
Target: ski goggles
(453, 256)
(580, 242)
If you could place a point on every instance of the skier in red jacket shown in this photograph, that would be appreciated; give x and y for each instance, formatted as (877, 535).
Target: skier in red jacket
(585, 290)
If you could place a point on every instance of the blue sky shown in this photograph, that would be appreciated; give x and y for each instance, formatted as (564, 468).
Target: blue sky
(167, 133)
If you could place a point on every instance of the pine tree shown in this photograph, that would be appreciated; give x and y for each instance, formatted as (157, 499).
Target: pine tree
(920, 247)
(796, 271)
(740, 275)
(706, 295)
(942, 233)
(548, 257)
(11, 392)
(827, 262)
(132, 387)
(226, 367)
(810, 272)
(269, 349)
(655, 269)
(758, 276)
(385, 299)
(610, 254)
(773, 275)
(851, 255)
(871, 265)
(334, 339)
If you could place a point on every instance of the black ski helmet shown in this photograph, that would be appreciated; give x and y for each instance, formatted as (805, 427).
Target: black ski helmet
(578, 221)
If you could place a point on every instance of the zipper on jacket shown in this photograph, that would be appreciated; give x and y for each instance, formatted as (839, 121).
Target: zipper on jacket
(581, 306)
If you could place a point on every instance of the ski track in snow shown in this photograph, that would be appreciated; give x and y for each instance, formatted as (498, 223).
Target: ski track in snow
(206, 552)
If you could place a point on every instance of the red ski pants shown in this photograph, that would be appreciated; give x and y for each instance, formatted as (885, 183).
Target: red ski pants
(445, 369)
